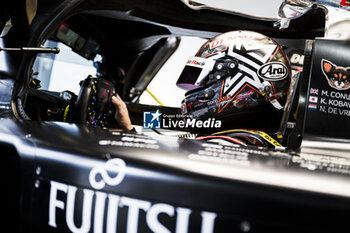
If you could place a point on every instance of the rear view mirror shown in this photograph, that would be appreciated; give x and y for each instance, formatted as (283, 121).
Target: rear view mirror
(264, 10)
(85, 46)
(292, 9)
(281, 11)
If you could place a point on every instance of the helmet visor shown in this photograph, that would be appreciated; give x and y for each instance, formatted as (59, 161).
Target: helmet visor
(195, 71)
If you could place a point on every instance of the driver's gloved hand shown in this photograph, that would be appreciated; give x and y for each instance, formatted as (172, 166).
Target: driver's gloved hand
(122, 119)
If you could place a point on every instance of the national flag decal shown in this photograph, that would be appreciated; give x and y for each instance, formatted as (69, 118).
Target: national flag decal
(313, 99)
(313, 91)
(313, 106)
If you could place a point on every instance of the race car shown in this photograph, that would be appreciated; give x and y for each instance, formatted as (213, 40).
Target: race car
(244, 137)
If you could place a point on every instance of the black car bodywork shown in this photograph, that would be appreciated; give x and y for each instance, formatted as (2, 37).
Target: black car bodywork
(69, 177)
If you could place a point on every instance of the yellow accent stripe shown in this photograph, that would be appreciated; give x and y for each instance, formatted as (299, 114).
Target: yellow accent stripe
(65, 113)
(156, 99)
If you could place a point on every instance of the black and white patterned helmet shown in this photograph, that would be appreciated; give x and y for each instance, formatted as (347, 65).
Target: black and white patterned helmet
(236, 74)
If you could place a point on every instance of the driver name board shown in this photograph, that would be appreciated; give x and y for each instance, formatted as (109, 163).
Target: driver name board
(328, 97)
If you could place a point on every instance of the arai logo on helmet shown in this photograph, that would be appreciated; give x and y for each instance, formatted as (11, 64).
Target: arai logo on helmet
(273, 71)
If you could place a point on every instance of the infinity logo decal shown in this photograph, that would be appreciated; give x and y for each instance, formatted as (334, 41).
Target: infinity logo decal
(116, 165)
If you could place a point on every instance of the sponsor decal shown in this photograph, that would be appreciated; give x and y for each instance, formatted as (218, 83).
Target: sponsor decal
(273, 71)
(131, 140)
(224, 98)
(232, 37)
(345, 3)
(297, 59)
(245, 95)
(99, 210)
(196, 62)
(199, 62)
(338, 77)
(116, 165)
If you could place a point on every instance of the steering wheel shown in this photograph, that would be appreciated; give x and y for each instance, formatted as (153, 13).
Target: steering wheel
(94, 104)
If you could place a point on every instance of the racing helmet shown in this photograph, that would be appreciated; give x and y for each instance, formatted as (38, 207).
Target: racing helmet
(240, 78)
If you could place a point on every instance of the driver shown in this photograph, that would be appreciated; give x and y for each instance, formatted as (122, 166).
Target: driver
(122, 119)
(240, 78)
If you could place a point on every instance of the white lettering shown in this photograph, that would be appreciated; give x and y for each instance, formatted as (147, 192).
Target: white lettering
(99, 212)
(133, 214)
(139, 140)
(333, 110)
(191, 123)
(54, 203)
(113, 202)
(209, 123)
(199, 124)
(208, 219)
(339, 103)
(108, 219)
(182, 220)
(344, 112)
(206, 123)
(181, 124)
(86, 210)
(339, 95)
(322, 109)
(152, 217)
(297, 58)
(164, 123)
(217, 124)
